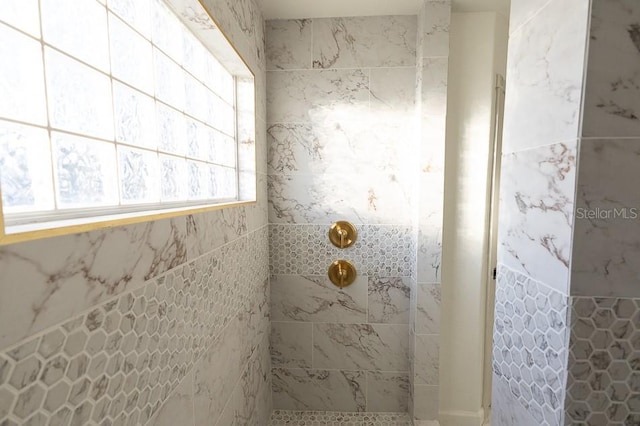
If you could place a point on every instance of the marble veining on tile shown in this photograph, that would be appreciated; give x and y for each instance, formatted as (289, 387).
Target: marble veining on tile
(388, 300)
(536, 212)
(612, 107)
(357, 42)
(329, 418)
(289, 44)
(83, 270)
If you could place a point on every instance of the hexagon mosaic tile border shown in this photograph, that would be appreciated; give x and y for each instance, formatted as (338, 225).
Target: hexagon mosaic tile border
(328, 418)
(530, 344)
(382, 250)
(604, 363)
(117, 363)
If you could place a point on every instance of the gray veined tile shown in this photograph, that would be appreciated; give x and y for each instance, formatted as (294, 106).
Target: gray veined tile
(315, 299)
(433, 29)
(303, 96)
(385, 41)
(178, 409)
(393, 92)
(427, 359)
(323, 390)
(361, 346)
(387, 391)
(289, 44)
(428, 303)
(389, 300)
(291, 344)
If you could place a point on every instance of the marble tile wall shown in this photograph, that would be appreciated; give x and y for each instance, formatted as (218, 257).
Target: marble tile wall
(341, 117)
(431, 94)
(545, 74)
(127, 325)
(602, 384)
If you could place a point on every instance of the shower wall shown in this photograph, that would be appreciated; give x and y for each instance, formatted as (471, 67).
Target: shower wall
(341, 146)
(163, 322)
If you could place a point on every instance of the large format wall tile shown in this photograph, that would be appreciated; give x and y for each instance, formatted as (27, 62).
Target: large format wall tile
(385, 41)
(387, 391)
(323, 390)
(361, 346)
(289, 44)
(545, 69)
(393, 92)
(81, 271)
(433, 29)
(179, 407)
(606, 254)
(315, 299)
(426, 359)
(429, 298)
(612, 93)
(388, 300)
(302, 96)
(291, 344)
(536, 212)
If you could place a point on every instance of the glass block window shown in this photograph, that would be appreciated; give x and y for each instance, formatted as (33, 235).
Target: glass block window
(114, 106)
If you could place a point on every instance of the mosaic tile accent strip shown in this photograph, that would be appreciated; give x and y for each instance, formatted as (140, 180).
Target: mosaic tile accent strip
(118, 363)
(604, 362)
(382, 250)
(531, 343)
(328, 418)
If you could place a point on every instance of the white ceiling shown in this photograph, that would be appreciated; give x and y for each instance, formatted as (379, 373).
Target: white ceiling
(296, 9)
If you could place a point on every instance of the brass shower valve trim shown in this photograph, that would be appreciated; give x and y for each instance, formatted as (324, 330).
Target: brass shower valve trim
(343, 234)
(342, 273)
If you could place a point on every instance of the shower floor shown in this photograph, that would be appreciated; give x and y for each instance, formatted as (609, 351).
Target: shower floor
(328, 418)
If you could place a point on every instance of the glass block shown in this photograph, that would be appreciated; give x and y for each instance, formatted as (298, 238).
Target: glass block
(25, 168)
(222, 182)
(195, 57)
(84, 170)
(22, 14)
(135, 116)
(79, 28)
(198, 180)
(224, 150)
(167, 32)
(21, 78)
(131, 56)
(200, 140)
(223, 116)
(195, 98)
(139, 181)
(79, 97)
(171, 130)
(169, 80)
(219, 79)
(135, 13)
(173, 181)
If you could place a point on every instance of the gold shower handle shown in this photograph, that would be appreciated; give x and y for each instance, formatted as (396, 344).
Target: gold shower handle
(342, 273)
(342, 234)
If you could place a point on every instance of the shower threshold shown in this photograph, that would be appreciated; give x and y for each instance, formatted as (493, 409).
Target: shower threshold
(332, 418)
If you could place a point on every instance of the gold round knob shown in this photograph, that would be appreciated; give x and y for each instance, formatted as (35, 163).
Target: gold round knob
(342, 234)
(342, 273)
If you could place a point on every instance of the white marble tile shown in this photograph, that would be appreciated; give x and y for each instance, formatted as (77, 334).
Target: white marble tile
(393, 93)
(341, 147)
(612, 93)
(428, 303)
(506, 410)
(24, 15)
(179, 407)
(522, 11)
(537, 199)
(387, 391)
(209, 230)
(329, 197)
(426, 359)
(374, 41)
(332, 390)
(426, 403)
(361, 346)
(606, 256)
(78, 271)
(433, 28)
(289, 44)
(303, 96)
(388, 301)
(314, 298)
(545, 68)
(433, 91)
(291, 344)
